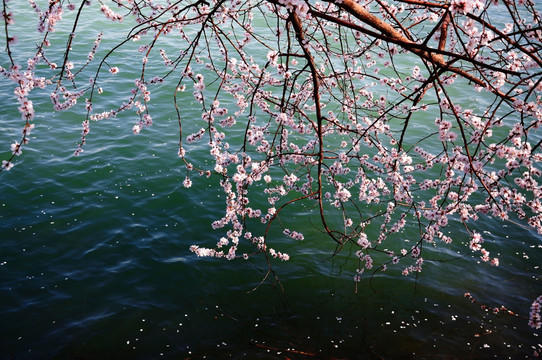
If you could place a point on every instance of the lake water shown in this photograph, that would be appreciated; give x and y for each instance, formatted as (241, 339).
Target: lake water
(95, 261)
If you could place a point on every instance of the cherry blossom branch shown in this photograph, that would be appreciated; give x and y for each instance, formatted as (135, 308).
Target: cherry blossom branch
(8, 20)
(64, 67)
(296, 22)
(495, 310)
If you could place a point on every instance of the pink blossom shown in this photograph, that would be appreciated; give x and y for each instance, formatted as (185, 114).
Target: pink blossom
(272, 57)
(363, 241)
(464, 6)
(16, 149)
(7, 165)
(187, 182)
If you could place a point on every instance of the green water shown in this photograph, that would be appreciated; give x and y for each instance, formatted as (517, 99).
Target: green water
(95, 260)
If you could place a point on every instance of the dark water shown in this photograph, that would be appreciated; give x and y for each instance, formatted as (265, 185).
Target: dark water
(94, 264)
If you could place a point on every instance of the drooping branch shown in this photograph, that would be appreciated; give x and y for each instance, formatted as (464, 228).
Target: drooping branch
(298, 27)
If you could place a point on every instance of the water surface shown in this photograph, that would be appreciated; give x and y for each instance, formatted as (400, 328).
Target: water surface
(94, 262)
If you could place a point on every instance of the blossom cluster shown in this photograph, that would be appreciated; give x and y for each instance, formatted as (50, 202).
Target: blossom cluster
(110, 14)
(535, 319)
